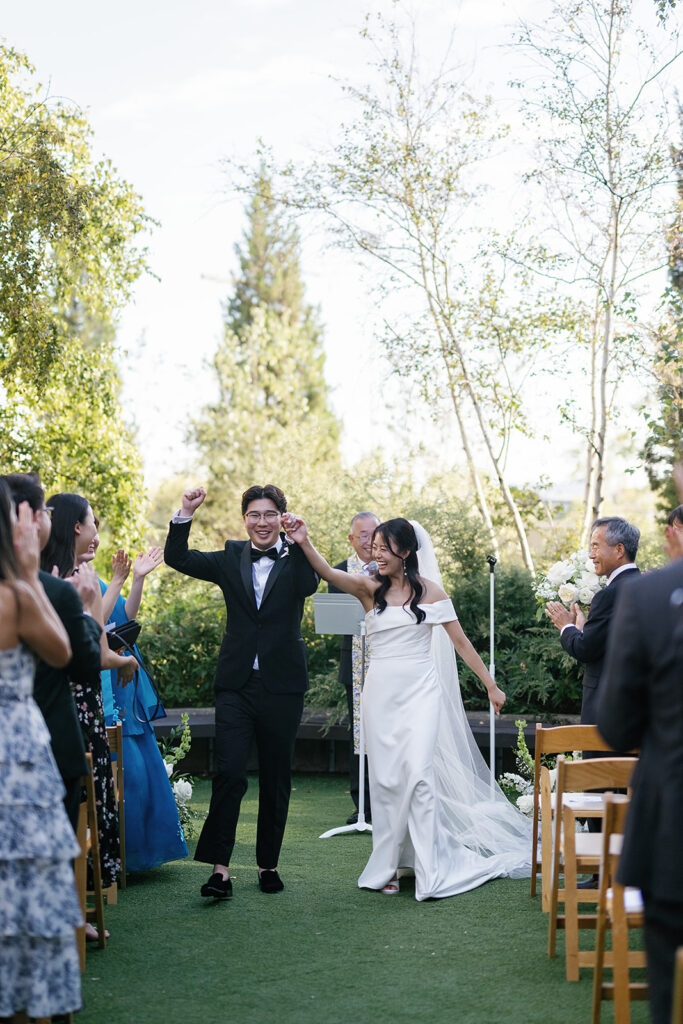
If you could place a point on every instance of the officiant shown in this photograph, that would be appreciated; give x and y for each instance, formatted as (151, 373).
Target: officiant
(360, 534)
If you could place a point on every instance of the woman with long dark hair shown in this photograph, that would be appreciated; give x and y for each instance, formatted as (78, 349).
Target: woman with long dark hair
(73, 536)
(154, 834)
(39, 908)
(433, 808)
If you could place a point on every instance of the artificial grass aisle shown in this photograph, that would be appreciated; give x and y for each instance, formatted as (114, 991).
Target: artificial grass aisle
(324, 951)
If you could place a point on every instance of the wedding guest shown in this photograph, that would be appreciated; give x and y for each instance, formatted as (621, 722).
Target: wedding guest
(39, 908)
(641, 707)
(261, 674)
(153, 831)
(362, 528)
(73, 534)
(613, 549)
(52, 685)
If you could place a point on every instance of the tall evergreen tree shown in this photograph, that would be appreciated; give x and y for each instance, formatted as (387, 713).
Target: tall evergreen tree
(271, 422)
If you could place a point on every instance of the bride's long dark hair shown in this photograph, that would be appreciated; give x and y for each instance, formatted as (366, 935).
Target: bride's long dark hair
(399, 535)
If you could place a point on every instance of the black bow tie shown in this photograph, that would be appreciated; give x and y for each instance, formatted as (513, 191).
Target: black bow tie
(270, 553)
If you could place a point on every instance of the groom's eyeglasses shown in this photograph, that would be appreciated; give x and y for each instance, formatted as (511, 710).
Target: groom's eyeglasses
(255, 517)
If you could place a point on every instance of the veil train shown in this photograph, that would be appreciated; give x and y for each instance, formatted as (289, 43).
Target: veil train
(480, 816)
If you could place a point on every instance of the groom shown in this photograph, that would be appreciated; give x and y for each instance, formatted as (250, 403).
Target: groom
(260, 678)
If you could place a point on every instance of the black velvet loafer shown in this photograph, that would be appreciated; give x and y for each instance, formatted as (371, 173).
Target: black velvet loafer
(217, 888)
(270, 881)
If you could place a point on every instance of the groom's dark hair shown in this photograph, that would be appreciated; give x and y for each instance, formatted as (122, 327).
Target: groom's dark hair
(270, 491)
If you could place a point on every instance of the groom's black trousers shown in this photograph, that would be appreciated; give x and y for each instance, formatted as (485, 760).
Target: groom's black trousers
(272, 720)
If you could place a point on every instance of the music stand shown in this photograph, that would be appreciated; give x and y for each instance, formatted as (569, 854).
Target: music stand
(343, 614)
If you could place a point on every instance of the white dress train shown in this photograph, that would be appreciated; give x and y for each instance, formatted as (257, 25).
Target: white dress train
(432, 806)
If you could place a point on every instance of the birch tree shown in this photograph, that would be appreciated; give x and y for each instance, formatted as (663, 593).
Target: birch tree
(599, 94)
(400, 189)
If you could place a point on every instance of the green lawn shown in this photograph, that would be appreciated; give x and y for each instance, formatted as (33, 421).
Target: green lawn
(323, 951)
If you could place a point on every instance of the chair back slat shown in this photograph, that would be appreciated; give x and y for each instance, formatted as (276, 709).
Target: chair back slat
(594, 773)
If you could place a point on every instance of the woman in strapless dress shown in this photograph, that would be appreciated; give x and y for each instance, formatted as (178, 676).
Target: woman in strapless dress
(434, 810)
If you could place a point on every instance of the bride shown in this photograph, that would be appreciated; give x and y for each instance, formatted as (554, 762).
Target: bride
(433, 807)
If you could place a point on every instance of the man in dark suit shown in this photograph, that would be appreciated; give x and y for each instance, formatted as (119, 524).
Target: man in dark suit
(641, 706)
(360, 538)
(51, 688)
(613, 549)
(261, 675)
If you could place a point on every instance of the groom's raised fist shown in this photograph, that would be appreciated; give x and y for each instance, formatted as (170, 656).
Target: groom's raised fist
(192, 499)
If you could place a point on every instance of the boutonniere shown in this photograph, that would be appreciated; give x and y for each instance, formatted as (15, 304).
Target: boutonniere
(284, 550)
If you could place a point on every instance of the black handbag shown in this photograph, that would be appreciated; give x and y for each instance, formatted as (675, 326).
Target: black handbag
(123, 636)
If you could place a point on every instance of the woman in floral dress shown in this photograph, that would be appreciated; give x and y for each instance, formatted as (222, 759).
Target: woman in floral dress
(39, 908)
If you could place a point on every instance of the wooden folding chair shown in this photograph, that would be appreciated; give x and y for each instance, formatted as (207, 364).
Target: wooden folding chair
(677, 1005)
(578, 854)
(115, 737)
(621, 909)
(560, 739)
(89, 843)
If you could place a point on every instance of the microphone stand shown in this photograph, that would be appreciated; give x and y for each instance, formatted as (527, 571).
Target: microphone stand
(492, 669)
(361, 825)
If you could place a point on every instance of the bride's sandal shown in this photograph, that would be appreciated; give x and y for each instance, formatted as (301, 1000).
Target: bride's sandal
(392, 887)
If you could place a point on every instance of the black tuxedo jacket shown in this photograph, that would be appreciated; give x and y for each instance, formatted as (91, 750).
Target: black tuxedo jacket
(641, 706)
(273, 631)
(51, 689)
(589, 645)
(345, 649)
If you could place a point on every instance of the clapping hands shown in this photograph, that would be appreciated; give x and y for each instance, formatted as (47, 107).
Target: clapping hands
(26, 542)
(147, 561)
(120, 564)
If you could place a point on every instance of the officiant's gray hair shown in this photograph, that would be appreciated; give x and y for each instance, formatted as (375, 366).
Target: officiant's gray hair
(363, 515)
(620, 532)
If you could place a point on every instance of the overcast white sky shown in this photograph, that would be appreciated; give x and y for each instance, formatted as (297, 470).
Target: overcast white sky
(171, 89)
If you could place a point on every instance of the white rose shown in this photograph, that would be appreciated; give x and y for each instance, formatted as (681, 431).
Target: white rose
(567, 593)
(168, 765)
(589, 579)
(182, 790)
(526, 803)
(586, 595)
(559, 573)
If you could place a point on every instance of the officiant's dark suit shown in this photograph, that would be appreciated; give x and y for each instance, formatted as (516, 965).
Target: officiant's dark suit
(260, 680)
(641, 706)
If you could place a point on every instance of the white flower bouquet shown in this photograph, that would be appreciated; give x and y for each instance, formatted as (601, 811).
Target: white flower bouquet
(570, 580)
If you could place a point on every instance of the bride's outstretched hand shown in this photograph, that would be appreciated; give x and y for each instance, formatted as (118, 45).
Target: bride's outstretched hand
(294, 527)
(497, 697)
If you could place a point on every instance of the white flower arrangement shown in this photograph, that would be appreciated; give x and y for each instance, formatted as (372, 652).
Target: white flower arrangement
(570, 580)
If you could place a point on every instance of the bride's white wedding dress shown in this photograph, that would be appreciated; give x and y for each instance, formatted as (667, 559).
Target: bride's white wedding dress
(433, 809)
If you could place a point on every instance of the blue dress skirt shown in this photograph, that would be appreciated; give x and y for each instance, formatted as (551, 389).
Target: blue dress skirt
(153, 831)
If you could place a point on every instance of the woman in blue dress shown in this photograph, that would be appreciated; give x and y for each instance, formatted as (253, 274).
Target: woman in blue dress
(153, 831)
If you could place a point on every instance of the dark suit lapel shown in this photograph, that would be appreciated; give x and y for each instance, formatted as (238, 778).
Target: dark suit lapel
(276, 570)
(245, 573)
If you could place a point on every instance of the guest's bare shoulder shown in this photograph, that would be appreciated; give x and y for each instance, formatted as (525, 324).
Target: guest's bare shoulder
(433, 592)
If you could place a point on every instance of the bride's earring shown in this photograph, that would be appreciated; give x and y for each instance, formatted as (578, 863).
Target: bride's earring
(405, 571)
